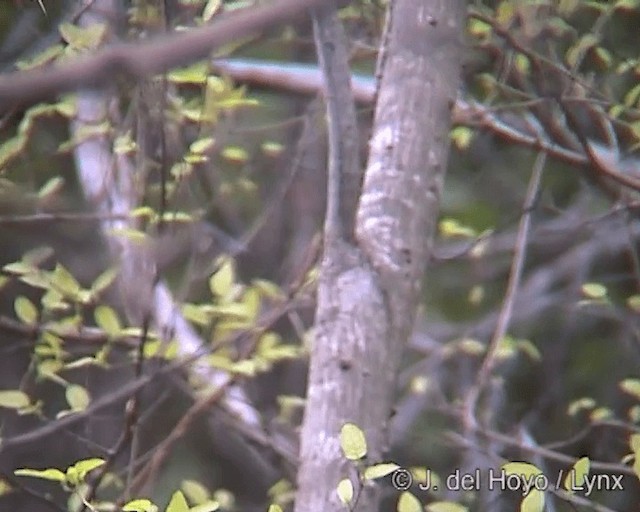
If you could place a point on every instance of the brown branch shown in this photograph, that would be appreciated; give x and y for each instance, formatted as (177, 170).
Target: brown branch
(139, 60)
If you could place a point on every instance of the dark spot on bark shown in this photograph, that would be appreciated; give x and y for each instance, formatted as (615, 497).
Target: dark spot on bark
(406, 256)
(432, 21)
(345, 365)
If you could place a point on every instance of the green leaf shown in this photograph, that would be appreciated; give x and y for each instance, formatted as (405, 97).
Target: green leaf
(178, 503)
(83, 467)
(83, 38)
(14, 399)
(446, 506)
(581, 404)
(107, 319)
(627, 5)
(195, 74)
(633, 303)
(345, 491)
(632, 96)
(522, 469)
(380, 470)
(221, 282)
(452, 228)
(64, 282)
(25, 310)
(527, 347)
(352, 441)
(104, 281)
(461, 137)
(533, 502)
(601, 413)
(235, 154)
(10, 149)
(51, 187)
(124, 144)
(632, 387)
(271, 148)
(77, 397)
(212, 7)
(479, 28)
(408, 503)
(577, 474)
(275, 508)
(46, 56)
(202, 145)
(140, 505)
(594, 291)
(576, 52)
(46, 474)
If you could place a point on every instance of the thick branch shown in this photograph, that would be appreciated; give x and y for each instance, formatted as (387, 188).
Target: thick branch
(140, 60)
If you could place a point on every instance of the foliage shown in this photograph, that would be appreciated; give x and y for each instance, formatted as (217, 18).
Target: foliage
(564, 367)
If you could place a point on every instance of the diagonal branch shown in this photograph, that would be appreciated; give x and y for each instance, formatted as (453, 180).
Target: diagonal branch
(140, 60)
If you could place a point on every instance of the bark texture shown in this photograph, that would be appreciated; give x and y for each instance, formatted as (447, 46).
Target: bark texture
(369, 288)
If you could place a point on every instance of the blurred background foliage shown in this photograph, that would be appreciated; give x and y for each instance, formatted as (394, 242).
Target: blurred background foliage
(246, 164)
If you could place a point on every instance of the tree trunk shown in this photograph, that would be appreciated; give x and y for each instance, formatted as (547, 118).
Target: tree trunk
(369, 289)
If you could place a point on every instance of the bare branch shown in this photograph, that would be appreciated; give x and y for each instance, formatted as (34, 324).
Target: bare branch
(139, 60)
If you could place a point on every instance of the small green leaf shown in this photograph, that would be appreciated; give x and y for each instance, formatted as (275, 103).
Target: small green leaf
(533, 502)
(40, 59)
(140, 505)
(107, 319)
(81, 38)
(522, 469)
(601, 413)
(632, 387)
(104, 280)
(577, 474)
(633, 303)
(528, 348)
(195, 491)
(272, 149)
(194, 74)
(353, 442)
(77, 397)
(64, 282)
(51, 187)
(575, 53)
(479, 28)
(221, 282)
(14, 399)
(275, 508)
(25, 311)
(46, 474)
(202, 145)
(380, 470)
(452, 228)
(83, 467)
(632, 96)
(581, 404)
(461, 137)
(212, 7)
(178, 503)
(594, 291)
(235, 154)
(345, 491)
(408, 503)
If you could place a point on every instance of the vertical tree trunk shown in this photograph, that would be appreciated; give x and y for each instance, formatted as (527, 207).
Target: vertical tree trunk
(369, 289)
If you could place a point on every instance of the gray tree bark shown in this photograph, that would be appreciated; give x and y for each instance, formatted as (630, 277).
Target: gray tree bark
(371, 272)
